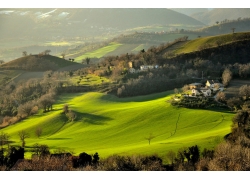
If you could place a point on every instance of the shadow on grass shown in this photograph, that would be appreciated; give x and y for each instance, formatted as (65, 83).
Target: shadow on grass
(92, 119)
(141, 98)
(58, 138)
(215, 109)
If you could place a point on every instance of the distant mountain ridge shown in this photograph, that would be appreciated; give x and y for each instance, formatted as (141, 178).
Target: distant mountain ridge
(190, 11)
(221, 14)
(74, 22)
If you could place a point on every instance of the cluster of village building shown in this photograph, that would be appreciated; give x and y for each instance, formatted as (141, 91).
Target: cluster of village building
(142, 68)
(196, 88)
(211, 86)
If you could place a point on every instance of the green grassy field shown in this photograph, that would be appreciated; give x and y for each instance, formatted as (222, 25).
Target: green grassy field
(115, 48)
(109, 125)
(194, 45)
(99, 52)
(62, 43)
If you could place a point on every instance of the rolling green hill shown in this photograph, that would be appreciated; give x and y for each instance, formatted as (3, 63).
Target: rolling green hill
(99, 52)
(210, 41)
(109, 125)
(131, 43)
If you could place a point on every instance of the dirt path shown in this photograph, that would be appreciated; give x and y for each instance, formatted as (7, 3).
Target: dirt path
(28, 75)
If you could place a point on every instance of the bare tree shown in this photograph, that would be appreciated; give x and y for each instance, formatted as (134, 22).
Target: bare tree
(46, 101)
(65, 108)
(63, 55)
(221, 96)
(149, 138)
(234, 103)
(176, 91)
(38, 131)
(226, 77)
(233, 29)
(171, 156)
(87, 60)
(41, 150)
(71, 115)
(25, 53)
(26, 108)
(46, 52)
(185, 88)
(4, 139)
(23, 135)
(244, 91)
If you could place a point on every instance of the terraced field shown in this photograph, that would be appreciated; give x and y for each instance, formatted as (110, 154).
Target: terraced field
(110, 125)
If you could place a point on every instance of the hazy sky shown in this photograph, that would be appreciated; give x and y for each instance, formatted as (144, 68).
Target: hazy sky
(124, 4)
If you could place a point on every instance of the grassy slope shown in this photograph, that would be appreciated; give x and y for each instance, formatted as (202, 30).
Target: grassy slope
(99, 52)
(115, 48)
(194, 45)
(109, 125)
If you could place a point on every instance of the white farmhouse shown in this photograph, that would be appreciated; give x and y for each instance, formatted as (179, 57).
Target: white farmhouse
(214, 85)
(198, 91)
(146, 67)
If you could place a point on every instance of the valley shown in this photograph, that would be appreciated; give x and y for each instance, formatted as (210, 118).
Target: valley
(109, 125)
(124, 95)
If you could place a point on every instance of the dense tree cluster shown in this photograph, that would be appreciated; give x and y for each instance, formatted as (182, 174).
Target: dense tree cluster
(197, 103)
(150, 84)
(26, 98)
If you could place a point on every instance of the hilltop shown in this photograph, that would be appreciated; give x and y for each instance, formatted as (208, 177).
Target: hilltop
(37, 63)
(190, 11)
(225, 27)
